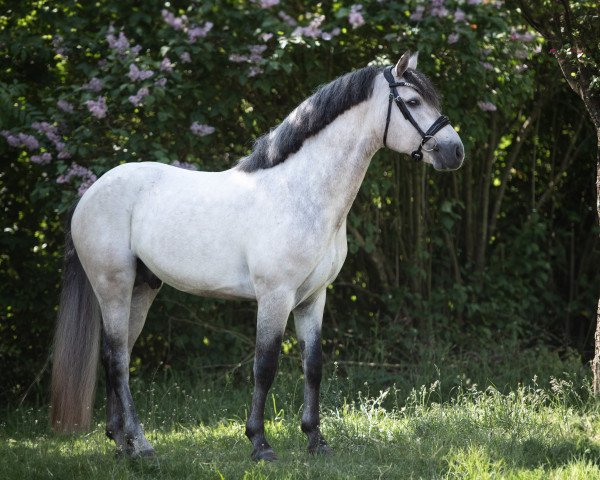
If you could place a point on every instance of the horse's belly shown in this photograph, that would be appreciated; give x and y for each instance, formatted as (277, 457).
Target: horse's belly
(219, 277)
(195, 259)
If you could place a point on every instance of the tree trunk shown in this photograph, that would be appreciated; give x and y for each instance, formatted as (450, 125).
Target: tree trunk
(596, 361)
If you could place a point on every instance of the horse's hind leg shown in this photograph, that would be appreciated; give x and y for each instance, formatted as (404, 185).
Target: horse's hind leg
(145, 290)
(115, 295)
(308, 318)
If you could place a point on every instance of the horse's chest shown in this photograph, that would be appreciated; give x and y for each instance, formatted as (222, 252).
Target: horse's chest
(326, 267)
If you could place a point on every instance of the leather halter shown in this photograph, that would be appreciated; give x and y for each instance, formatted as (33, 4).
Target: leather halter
(440, 123)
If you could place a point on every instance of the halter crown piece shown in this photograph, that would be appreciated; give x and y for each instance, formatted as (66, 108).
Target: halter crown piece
(440, 123)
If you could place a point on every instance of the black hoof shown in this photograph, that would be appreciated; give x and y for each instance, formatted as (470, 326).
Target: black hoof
(267, 454)
(318, 446)
(321, 449)
(144, 454)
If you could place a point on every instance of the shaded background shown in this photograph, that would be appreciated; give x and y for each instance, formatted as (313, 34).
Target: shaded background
(493, 264)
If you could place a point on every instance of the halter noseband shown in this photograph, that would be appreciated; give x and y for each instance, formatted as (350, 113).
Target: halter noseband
(440, 123)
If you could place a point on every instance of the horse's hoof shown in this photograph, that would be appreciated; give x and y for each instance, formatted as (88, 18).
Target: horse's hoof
(321, 449)
(144, 453)
(267, 454)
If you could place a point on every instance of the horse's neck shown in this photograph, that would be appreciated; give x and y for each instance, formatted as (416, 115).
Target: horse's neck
(331, 166)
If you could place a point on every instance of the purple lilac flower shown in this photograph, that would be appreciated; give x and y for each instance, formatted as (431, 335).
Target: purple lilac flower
(256, 52)
(74, 170)
(527, 37)
(65, 106)
(473, 2)
(287, 19)
(166, 65)
(175, 22)
(51, 131)
(57, 43)
(184, 165)
(97, 107)
(201, 130)
(185, 57)
(266, 3)
(12, 140)
(254, 71)
(355, 18)
(21, 140)
(137, 98)
(42, 159)
(313, 29)
(135, 74)
(29, 141)
(453, 38)
(82, 173)
(199, 32)
(120, 44)
(487, 66)
(329, 35)
(487, 106)
(94, 85)
(459, 15)
(160, 82)
(85, 185)
(237, 58)
(418, 13)
(265, 37)
(136, 50)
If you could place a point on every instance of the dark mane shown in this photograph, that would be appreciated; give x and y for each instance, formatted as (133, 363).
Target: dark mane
(312, 116)
(425, 86)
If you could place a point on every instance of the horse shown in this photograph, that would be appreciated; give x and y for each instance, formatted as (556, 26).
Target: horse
(271, 229)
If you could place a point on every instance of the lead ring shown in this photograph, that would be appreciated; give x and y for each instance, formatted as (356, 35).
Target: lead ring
(425, 140)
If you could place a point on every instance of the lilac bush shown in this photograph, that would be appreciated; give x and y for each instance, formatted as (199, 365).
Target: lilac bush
(136, 98)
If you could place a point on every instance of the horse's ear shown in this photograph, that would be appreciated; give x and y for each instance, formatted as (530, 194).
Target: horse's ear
(412, 61)
(402, 64)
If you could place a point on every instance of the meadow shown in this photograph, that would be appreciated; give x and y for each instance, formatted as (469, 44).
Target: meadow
(463, 418)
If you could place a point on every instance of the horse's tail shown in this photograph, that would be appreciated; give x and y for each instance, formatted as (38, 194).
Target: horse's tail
(76, 346)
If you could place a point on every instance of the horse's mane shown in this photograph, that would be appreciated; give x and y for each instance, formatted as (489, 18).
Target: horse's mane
(318, 111)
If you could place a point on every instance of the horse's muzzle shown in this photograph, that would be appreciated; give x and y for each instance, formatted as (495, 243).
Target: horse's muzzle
(448, 156)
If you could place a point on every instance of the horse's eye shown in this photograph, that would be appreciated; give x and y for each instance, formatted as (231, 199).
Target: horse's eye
(414, 102)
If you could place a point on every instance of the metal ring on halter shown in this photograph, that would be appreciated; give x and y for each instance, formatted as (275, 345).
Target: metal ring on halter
(426, 138)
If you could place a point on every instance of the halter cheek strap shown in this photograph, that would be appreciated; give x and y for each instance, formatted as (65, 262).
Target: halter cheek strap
(440, 123)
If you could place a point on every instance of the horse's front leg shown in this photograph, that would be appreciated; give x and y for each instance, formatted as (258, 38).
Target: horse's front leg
(308, 318)
(273, 312)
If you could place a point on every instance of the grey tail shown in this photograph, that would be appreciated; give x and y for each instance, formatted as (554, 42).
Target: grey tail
(76, 346)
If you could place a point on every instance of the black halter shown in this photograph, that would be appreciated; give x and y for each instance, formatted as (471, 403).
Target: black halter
(440, 123)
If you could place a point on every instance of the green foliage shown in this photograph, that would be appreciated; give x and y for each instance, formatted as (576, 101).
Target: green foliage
(499, 251)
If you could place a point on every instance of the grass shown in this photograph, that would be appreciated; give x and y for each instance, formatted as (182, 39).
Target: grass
(442, 429)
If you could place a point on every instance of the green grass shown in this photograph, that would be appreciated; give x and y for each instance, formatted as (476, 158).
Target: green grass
(443, 429)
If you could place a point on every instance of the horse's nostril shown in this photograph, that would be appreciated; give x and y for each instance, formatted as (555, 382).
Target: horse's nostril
(459, 152)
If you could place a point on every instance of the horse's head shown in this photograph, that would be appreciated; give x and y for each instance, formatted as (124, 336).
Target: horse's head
(416, 127)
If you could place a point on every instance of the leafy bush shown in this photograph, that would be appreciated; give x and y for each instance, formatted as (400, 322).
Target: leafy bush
(86, 87)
